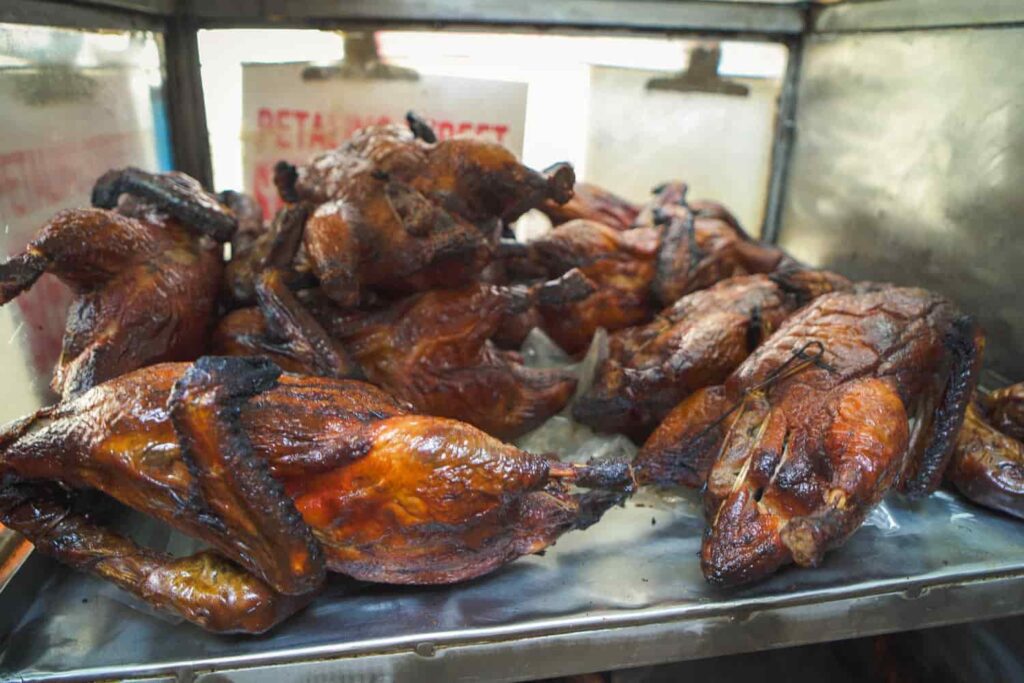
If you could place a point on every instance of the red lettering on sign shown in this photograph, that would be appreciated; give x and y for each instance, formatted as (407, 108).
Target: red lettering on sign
(301, 117)
(282, 128)
(264, 118)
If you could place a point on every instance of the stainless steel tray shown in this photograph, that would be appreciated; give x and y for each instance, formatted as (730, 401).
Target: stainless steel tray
(627, 592)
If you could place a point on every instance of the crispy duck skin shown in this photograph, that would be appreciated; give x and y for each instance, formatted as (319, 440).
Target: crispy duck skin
(988, 464)
(286, 476)
(432, 350)
(812, 430)
(145, 282)
(592, 203)
(696, 342)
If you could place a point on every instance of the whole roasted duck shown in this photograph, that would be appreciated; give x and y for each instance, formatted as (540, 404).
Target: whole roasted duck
(988, 464)
(431, 349)
(395, 210)
(144, 270)
(811, 431)
(675, 250)
(696, 342)
(284, 476)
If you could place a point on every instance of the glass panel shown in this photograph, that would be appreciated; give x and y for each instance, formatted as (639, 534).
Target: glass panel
(74, 104)
(586, 103)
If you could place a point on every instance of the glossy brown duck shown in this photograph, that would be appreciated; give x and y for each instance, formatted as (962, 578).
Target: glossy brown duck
(988, 464)
(696, 342)
(398, 211)
(812, 430)
(144, 277)
(287, 476)
(432, 350)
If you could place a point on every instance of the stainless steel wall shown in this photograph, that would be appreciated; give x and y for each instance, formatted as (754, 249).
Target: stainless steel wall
(908, 166)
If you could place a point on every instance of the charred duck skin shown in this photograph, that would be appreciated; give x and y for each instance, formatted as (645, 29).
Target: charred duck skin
(812, 430)
(696, 342)
(988, 464)
(286, 476)
(144, 278)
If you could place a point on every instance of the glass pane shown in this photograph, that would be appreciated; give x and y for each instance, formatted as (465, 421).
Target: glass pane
(586, 103)
(74, 104)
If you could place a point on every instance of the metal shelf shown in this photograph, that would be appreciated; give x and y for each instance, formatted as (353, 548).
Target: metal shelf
(628, 592)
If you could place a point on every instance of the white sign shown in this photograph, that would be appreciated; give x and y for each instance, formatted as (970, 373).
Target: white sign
(287, 118)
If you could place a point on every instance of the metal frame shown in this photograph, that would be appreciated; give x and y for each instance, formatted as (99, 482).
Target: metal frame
(906, 15)
(186, 107)
(640, 15)
(669, 635)
(785, 132)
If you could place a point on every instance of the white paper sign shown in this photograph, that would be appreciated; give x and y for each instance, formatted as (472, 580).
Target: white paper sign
(720, 145)
(287, 118)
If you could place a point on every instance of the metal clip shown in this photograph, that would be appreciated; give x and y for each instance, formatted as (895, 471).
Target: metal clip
(361, 62)
(701, 75)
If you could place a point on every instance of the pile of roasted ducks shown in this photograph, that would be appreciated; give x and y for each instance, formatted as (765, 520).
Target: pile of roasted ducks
(337, 389)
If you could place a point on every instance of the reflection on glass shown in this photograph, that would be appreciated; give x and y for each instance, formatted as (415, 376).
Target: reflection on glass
(74, 104)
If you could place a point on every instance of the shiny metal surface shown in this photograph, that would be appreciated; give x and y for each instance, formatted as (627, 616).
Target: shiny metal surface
(627, 592)
(659, 15)
(911, 14)
(907, 167)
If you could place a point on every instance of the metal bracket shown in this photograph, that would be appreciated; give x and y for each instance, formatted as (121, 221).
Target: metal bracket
(701, 75)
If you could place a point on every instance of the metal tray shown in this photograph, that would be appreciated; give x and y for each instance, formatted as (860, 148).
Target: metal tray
(627, 592)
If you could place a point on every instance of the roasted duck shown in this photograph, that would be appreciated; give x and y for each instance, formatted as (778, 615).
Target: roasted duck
(431, 349)
(812, 430)
(619, 266)
(287, 476)
(397, 211)
(701, 244)
(1005, 409)
(675, 250)
(258, 246)
(144, 276)
(988, 464)
(696, 342)
(592, 203)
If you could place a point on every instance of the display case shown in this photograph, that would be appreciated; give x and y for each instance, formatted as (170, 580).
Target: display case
(896, 152)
